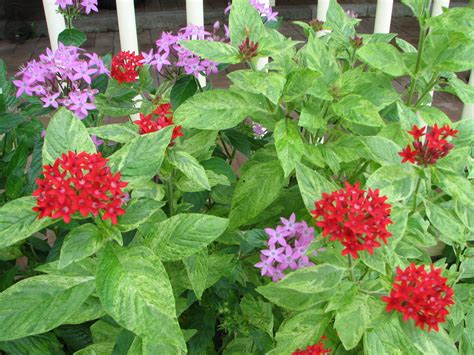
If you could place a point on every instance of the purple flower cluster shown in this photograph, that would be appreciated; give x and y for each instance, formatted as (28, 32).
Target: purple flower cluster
(62, 78)
(287, 247)
(169, 51)
(265, 11)
(77, 6)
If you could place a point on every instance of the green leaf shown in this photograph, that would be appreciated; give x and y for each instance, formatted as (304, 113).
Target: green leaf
(298, 83)
(89, 310)
(458, 187)
(120, 132)
(289, 145)
(222, 109)
(185, 234)
(219, 52)
(384, 57)
(317, 57)
(65, 133)
(9, 121)
(197, 269)
(382, 150)
(312, 185)
(268, 84)
(451, 51)
(183, 89)
(446, 221)
(199, 144)
(72, 37)
(312, 116)
(97, 349)
(258, 313)
(256, 189)
(115, 107)
(18, 221)
(190, 167)
(436, 343)
(303, 287)
(244, 21)
(141, 159)
(405, 46)
(138, 210)
(464, 91)
(356, 109)
(352, 321)
(135, 290)
(394, 181)
(41, 303)
(301, 330)
(420, 8)
(79, 243)
(339, 22)
(34, 345)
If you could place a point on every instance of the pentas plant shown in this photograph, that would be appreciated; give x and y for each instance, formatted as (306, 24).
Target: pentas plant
(62, 78)
(125, 66)
(265, 11)
(79, 182)
(421, 296)
(356, 217)
(287, 247)
(77, 6)
(315, 349)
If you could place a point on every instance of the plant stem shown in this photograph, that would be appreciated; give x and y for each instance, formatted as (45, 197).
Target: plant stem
(416, 194)
(351, 270)
(170, 193)
(428, 88)
(229, 156)
(421, 41)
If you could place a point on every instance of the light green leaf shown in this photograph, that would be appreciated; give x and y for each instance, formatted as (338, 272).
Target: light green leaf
(222, 109)
(457, 186)
(89, 310)
(339, 22)
(200, 144)
(433, 343)
(446, 221)
(298, 83)
(405, 46)
(33, 345)
(356, 109)
(317, 57)
(219, 52)
(382, 150)
(464, 91)
(256, 189)
(312, 116)
(65, 133)
(384, 57)
(197, 270)
(120, 132)
(352, 321)
(244, 21)
(185, 234)
(301, 330)
(394, 181)
(18, 221)
(135, 290)
(141, 159)
(41, 303)
(79, 243)
(258, 313)
(138, 210)
(97, 349)
(289, 145)
(190, 167)
(312, 185)
(258, 82)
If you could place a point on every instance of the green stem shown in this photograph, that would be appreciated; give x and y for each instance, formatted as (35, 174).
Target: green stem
(427, 90)
(351, 270)
(356, 174)
(421, 42)
(416, 194)
(229, 156)
(170, 193)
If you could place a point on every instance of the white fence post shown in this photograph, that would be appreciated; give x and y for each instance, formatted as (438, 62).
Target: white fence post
(263, 61)
(195, 16)
(127, 25)
(438, 7)
(468, 109)
(322, 10)
(383, 16)
(55, 22)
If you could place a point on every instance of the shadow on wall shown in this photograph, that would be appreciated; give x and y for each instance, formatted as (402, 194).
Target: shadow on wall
(17, 29)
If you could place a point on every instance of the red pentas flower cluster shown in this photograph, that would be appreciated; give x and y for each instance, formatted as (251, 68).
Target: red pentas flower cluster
(125, 66)
(79, 182)
(355, 217)
(428, 150)
(316, 349)
(162, 117)
(420, 295)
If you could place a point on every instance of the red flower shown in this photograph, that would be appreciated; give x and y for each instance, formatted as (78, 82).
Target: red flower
(434, 146)
(316, 349)
(165, 118)
(125, 67)
(420, 295)
(356, 218)
(81, 183)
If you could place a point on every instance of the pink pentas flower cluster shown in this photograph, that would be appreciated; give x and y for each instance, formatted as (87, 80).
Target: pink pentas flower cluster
(78, 6)
(287, 246)
(264, 10)
(62, 78)
(171, 57)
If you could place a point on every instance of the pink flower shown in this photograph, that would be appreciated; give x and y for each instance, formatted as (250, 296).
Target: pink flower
(273, 253)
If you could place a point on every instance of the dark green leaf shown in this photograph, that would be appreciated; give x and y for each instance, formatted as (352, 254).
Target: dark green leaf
(72, 37)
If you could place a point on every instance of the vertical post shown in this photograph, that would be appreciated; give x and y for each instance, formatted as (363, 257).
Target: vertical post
(263, 61)
(383, 16)
(272, 3)
(322, 10)
(195, 16)
(127, 25)
(438, 7)
(468, 109)
(54, 21)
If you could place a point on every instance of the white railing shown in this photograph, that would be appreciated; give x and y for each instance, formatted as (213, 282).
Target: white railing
(195, 15)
